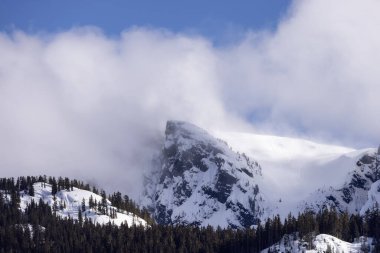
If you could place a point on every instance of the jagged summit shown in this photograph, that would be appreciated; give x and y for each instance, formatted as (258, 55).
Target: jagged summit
(184, 135)
(201, 180)
(184, 129)
(191, 144)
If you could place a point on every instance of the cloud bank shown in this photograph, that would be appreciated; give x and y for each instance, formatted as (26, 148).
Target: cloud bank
(79, 103)
(317, 73)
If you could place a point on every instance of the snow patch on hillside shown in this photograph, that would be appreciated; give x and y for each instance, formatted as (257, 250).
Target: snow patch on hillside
(69, 202)
(321, 243)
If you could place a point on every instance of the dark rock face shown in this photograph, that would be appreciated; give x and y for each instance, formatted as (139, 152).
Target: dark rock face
(199, 177)
(165, 214)
(358, 181)
(367, 159)
(224, 185)
(347, 195)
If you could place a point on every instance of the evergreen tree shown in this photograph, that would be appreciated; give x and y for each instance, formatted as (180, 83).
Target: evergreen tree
(354, 228)
(344, 226)
(83, 205)
(54, 187)
(80, 218)
(103, 203)
(31, 190)
(91, 202)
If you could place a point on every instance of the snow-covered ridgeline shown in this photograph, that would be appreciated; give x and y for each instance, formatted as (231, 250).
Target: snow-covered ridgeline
(294, 169)
(358, 193)
(320, 244)
(68, 204)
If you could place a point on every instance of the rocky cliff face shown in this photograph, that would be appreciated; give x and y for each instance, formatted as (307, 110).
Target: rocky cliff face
(359, 193)
(199, 180)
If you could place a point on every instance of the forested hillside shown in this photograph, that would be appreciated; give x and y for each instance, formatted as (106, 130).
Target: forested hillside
(38, 229)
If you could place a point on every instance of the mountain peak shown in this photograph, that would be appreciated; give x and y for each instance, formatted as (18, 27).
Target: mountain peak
(201, 180)
(180, 132)
(174, 125)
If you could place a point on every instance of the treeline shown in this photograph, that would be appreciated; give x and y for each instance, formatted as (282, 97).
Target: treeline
(25, 184)
(39, 230)
(16, 186)
(48, 233)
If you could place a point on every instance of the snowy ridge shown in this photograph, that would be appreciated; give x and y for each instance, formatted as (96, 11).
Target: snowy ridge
(321, 243)
(299, 173)
(69, 202)
(359, 192)
(199, 180)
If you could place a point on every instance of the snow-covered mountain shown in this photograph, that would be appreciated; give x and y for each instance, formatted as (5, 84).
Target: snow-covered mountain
(67, 204)
(293, 168)
(320, 244)
(199, 179)
(358, 193)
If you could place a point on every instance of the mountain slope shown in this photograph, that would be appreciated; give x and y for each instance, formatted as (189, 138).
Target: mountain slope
(308, 175)
(293, 168)
(67, 204)
(200, 180)
(359, 192)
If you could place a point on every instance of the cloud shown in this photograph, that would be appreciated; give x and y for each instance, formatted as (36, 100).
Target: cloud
(82, 104)
(317, 73)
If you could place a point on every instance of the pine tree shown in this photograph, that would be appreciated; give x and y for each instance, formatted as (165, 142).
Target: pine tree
(55, 206)
(345, 226)
(354, 228)
(15, 198)
(104, 202)
(31, 190)
(91, 202)
(80, 218)
(83, 205)
(54, 187)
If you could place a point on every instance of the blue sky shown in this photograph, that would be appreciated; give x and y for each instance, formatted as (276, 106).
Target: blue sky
(213, 19)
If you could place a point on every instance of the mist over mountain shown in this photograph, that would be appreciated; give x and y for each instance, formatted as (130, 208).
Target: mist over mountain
(80, 102)
(199, 179)
(202, 193)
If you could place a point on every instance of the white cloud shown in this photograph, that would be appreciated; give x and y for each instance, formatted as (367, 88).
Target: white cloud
(79, 103)
(317, 72)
